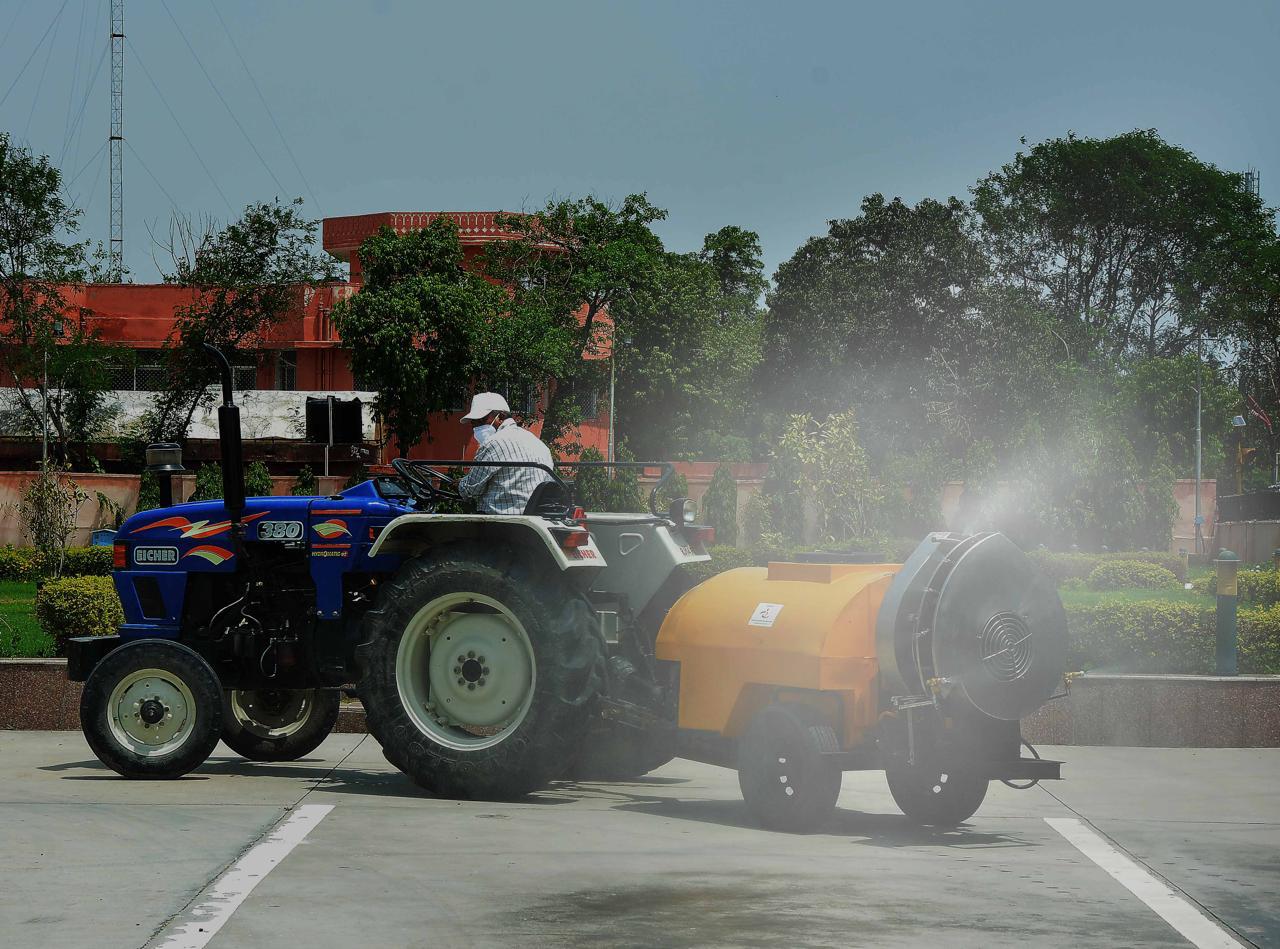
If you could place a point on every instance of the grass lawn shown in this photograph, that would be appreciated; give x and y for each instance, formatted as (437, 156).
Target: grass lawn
(20, 634)
(1094, 597)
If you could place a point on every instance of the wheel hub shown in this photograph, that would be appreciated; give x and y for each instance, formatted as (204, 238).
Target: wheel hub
(479, 670)
(152, 711)
(271, 713)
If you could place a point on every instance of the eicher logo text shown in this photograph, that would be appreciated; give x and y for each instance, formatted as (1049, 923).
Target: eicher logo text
(155, 555)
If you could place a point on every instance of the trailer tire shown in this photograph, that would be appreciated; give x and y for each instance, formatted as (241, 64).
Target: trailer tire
(454, 623)
(788, 784)
(937, 796)
(278, 724)
(152, 709)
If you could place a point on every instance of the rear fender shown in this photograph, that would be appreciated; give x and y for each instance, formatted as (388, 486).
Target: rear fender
(641, 553)
(411, 535)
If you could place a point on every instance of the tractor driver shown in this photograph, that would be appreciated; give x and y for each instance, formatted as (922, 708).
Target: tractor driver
(502, 490)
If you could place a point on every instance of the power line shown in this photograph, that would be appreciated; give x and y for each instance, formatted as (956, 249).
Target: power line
(270, 114)
(55, 19)
(195, 151)
(213, 85)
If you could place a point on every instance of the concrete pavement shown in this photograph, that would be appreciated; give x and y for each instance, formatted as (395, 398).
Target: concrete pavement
(88, 859)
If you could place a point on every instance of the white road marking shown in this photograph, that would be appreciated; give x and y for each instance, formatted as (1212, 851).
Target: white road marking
(225, 894)
(1169, 905)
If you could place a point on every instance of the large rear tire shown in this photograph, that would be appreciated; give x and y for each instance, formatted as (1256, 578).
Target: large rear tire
(152, 709)
(278, 724)
(478, 673)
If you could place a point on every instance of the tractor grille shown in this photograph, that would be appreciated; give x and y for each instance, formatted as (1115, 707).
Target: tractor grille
(1005, 645)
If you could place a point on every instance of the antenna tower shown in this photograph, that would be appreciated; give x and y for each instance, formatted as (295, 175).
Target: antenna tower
(1253, 182)
(115, 261)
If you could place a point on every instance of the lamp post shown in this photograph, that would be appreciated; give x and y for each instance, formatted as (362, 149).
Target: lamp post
(1199, 538)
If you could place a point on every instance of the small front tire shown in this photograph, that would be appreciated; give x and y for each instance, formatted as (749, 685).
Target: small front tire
(936, 796)
(152, 709)
(278, 724)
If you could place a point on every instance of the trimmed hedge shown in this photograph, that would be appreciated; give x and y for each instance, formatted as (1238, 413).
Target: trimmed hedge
(27, 563)
(1167, 637)
(1130, 574)
(1257, 587)
(1060, 567)
(78, 606)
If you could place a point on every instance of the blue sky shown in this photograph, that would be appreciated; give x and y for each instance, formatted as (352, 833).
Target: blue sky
(775, 117)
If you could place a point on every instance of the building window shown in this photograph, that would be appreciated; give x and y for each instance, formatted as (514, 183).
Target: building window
(287, 370)
(244, 377)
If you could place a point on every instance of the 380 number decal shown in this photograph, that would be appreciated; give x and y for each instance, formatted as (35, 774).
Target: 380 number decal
(280, 530)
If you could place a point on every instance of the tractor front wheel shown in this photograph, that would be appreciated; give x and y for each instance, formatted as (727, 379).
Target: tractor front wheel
(278, 724)
(152, 709)
(478, 673)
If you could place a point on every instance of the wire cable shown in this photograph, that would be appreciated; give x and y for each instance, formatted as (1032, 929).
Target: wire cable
(76, 177)
(98, 30)
(55, 19)
(35, 99)
(88, 90)
(12, 23)
(213, 85)
(195, 151)
(270, 114)
(134, 152)
(75, 80)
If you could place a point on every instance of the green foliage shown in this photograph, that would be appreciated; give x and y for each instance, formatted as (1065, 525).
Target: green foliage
(78, 606)
(305, 485)
(834, 477)
(244, 278)
(1127, 574)
(148, 492)
(257, 480)
(423, 331)
(723, 557)
(623, 493)
(208, 483)
(20, 635)
(28, 563)
(720, 506)
(1152, 636)
(1061, 567)
(591, 484)
(358, 476)
(109, 511)
(677, 487)
(1259, 587)
(48, 511)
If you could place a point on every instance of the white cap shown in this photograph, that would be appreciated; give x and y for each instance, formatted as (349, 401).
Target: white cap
(482, 403)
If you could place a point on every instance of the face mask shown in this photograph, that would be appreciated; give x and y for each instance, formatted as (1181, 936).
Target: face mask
(483, 433)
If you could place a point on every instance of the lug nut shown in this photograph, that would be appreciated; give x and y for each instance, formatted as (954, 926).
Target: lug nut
(486, 668)
(457, 670)
(461, 680)
(471, 686)
(471, 654)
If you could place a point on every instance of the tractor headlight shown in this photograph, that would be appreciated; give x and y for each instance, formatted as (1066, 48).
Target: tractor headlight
(682, 511)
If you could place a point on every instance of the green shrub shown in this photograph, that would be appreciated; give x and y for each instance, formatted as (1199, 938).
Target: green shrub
(1167, 637)
(358, 476)
(87, 562)
(78, 606)
(1127, 574)
(1258, 587)
(1074, 565)
(208, 483)
(305, 485)
(257, 481)
(720, 505)
(723, 557)
(148, 492)
(590, 483)
(20, 563)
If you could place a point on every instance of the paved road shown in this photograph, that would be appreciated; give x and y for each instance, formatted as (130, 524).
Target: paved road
(87, 859)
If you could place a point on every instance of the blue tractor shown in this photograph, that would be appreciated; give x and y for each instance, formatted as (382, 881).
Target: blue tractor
(492, 653)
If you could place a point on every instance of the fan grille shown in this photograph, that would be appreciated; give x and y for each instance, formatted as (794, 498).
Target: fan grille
(1005, 645)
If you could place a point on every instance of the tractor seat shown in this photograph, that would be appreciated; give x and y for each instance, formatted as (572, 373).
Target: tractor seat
(549, 499)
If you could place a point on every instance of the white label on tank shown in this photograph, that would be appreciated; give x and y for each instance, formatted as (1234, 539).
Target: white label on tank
(765, 614)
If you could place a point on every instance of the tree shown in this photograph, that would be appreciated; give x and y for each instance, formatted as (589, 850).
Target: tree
(54, 363)
(692, 342)
(720, 505)
(244, 279)
(424, 330)
(855, 314)
(1138, 244)
(570, 264)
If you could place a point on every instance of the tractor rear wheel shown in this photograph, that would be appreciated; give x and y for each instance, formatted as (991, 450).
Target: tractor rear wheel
(278, 724)
(478, 673)
(787, 782)
(936, 795)
(152, 709)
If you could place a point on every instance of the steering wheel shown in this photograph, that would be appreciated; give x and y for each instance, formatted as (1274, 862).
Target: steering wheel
(422, 486)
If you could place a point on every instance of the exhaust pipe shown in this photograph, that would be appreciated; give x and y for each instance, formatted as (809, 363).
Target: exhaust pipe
(229, 443)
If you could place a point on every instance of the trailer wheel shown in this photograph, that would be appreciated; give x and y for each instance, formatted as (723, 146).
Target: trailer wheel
(278, 724)
(152, 709)
(478, 673)
(787, 782)
(934, 795)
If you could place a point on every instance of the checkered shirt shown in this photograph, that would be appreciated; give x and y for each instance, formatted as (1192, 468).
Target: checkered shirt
(507, 490)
